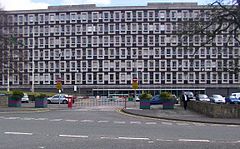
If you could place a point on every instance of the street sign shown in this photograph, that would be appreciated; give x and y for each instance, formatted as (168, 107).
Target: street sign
(59, 85)
(135, 83)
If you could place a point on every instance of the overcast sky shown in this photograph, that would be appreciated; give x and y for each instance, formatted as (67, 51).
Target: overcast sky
(43, 4)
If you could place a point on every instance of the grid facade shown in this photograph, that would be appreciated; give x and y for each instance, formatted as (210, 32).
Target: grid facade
(96, 47)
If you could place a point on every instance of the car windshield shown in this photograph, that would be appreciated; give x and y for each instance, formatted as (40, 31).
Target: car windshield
(203, 96)
(217, 96)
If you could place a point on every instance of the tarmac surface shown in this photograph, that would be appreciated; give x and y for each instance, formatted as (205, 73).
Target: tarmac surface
(156, 111)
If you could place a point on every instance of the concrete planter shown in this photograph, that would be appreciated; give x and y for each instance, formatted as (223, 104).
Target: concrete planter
(168, 105)
(41, 103)
(14, 102)
(3, 101)
(145, 104)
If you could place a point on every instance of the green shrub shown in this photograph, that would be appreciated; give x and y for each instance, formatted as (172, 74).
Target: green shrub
(166, 95)
(145, 96)
(17, 94)
(41, 96)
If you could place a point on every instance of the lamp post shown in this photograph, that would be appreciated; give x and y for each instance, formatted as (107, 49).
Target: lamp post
(33, 64)
(8, 71)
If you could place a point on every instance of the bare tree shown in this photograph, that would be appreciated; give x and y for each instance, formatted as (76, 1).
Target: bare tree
(10, 55)
(219, 21)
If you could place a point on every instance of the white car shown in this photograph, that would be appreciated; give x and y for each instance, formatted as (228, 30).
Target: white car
(202, 97)
(25, 98)
(58, 98)
(217, 99)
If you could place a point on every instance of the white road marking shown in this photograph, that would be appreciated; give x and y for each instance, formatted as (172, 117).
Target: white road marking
(199, 124)
(18, 133)
(102, 121)
(232, 126)
(182, 124)
(71, 120)
(73, 136)
(56, 120)
(27, 118)
(216, 125)
(11, 118)
(119, 122)
(41, 147)
(106, 138)
(164, 140)
(131, 138)
(87, 121)
(192, 140)
(151, 123)
(135, 122)
(150, 141)
(166, 123)
(41, 119)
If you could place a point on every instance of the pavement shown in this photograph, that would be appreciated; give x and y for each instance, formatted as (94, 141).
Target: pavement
(177, 114)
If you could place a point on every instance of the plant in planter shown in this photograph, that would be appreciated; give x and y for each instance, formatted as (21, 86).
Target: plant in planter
(167, 100)
(41, 101)
(14, 100)
(145, 99)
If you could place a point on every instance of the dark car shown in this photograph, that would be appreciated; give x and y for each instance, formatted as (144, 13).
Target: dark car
(232, 100)
(156, 100)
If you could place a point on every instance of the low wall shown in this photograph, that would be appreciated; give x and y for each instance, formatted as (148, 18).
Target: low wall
(215, 110)
(3, 101)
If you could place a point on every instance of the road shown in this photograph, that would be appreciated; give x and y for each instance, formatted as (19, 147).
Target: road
(107, 129)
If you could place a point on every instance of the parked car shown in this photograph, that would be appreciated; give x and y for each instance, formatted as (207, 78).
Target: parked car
(189, 95)
(233, 99)
(137, 99)
(156, 100)
(236, 95)
(25, 98)
(62, 98)
(217, 99)
(202, 97)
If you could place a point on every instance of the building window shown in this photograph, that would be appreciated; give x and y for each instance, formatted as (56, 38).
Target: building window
(73, 17)
(145, 78)
(139, 15)
(62, 18)
(67, 54)
(41, 18)
(112, 78)
(106, 65)
(117, 16)
(84, 17)
(78, 78)
(100, 53)
(106, 16)
(162, 15)
(128, 65)
(128, 16)
(46, 54)
(52, 18)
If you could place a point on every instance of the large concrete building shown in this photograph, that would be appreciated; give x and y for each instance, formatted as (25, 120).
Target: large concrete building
(101, 49)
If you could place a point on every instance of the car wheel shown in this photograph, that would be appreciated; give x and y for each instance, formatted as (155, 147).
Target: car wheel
(48, 101)
(65, 102)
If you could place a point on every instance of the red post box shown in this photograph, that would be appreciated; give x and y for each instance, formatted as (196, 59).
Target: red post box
(70, 100)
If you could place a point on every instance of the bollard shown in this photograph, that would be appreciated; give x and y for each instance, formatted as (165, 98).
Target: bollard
(70, 100)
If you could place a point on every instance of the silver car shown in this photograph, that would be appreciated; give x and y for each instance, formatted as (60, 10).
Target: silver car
(58, 98)
(202, 97)
(217, 99)
(25, 98)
